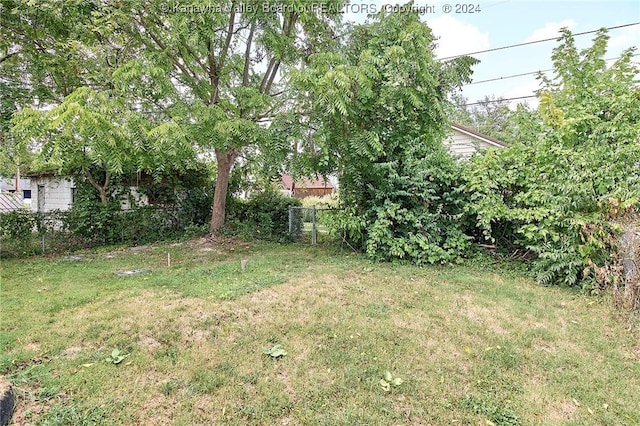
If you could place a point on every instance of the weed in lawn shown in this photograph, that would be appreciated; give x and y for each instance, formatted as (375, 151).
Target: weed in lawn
(498, 413)
(169, 387)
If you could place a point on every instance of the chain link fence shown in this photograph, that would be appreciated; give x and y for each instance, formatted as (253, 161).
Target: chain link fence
(310, 224)
(23, 232)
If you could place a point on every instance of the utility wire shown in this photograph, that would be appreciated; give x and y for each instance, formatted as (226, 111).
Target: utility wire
(491, 101)
(536, 41)
(528, 73)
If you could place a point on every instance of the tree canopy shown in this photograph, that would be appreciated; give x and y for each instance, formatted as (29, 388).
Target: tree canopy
(379, 109)
(212, 78)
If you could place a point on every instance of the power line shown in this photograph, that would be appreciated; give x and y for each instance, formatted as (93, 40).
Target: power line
(536, 41)
(491, 101)
(529, 73)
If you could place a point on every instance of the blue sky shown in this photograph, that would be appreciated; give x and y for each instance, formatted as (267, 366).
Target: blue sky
(506, 22)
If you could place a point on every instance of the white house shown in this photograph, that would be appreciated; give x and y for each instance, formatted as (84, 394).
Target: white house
(50, 191)
(464, 142)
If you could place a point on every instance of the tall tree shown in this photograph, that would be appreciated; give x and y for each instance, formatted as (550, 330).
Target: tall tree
(34, 66)
(379, 106)
(218, 69)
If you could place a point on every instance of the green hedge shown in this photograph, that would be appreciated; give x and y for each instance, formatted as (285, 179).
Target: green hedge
(264, 216)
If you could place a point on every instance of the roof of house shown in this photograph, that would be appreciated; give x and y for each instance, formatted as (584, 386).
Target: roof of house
(10, 201)
(478, 135)
(320, 182)
(43, 173)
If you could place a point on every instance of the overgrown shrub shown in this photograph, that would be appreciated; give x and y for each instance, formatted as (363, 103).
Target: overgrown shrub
(17, 230)
(409, 207)
(559, 196)
(263, 216)
(326, 202)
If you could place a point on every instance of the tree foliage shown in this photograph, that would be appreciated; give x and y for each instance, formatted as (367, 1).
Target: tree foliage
(559, 195)
(379, 108)
(220, 76)
(492, 116)
(211, 75)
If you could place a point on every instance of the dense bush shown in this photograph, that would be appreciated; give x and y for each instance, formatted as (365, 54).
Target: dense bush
(559, 196)
(263, 216)
(16, 231)
(412, 211)
(380, 104)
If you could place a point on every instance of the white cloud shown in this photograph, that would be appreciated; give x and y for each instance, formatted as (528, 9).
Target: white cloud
(624, 37)
(550, 30)
(457, 38)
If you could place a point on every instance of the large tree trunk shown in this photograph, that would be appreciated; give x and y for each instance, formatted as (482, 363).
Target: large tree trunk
(102, 189)
(225, 159)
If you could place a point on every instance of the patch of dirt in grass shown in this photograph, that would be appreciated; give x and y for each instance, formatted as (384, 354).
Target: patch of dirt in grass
(217, 243)
(32, 346)
(561, 412)
(149, 343)
(158, 410)
(489, 318)
(288, 420)
(71, 352)
(545, 348)
(405, 407)
(26, 410)
(28, 407)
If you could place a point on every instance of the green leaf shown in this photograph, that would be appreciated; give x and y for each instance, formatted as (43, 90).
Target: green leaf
(275, 352)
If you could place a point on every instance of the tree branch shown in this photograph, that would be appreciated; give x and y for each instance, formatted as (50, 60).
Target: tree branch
(7, 56)
(214, 69)
(247, 53)
(274, 64)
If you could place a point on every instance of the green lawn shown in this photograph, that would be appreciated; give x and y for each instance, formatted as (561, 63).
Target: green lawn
(471, 345)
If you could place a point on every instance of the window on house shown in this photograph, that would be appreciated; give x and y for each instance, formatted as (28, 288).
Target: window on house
(26, 194)
(74, 194)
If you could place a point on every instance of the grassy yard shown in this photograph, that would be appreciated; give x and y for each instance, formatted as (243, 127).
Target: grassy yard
(471, 345)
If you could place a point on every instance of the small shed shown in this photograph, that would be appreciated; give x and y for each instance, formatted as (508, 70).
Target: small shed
(50, 191)
(464, 142)
(302, 188)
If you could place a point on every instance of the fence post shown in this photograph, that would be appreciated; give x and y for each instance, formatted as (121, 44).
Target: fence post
(290, 220)
(313, 227)
(43, 230)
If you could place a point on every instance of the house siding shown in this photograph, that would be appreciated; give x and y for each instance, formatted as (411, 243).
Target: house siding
(464, 146)
(57, 193)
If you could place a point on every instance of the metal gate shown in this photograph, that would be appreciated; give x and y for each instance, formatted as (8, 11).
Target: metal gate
(308, 221)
